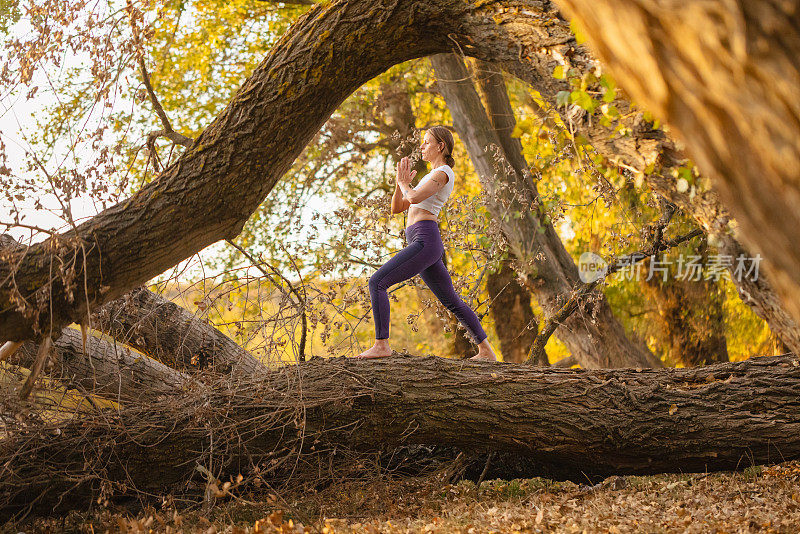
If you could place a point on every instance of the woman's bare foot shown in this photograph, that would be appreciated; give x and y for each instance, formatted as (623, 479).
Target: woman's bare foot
(380, 349)
(485, 352)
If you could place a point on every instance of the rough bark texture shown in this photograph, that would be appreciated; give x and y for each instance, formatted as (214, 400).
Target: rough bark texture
(726, 77)
(108, 370)
(172, 335)
(564, 422)
(514, 321)
(593, 335)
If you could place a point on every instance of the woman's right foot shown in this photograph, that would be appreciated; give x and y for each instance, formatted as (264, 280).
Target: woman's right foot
(376, 351)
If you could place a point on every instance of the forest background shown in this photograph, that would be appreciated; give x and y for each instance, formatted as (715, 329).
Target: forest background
(325, 227)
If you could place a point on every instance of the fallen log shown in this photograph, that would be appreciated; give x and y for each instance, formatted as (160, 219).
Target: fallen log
(566, 423)
(172, 335)
(162, 330)
(105, 368)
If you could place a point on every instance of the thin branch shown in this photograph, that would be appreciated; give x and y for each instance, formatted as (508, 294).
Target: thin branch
(167, 130)
(301, 299)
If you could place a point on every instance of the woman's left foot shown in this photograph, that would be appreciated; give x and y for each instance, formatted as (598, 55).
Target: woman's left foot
(490, 357)
(374, 352)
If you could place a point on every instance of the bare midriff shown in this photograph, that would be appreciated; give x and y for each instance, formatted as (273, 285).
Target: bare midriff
(416, 214)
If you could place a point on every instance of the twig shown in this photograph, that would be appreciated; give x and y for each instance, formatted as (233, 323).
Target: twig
(167, 132)
(483, 475)
(36, 368)
(301, 300)
(8, 349)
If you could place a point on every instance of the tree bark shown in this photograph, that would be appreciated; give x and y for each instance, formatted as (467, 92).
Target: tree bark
(107, 370)
(690, 313)
(564, 422)
(726, 77)
(592, 334)
(173, 335)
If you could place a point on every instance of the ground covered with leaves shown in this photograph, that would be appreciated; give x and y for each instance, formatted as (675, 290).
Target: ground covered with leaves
(757, 499)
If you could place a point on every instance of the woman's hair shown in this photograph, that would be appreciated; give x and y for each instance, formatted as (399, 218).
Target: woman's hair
(443, 135)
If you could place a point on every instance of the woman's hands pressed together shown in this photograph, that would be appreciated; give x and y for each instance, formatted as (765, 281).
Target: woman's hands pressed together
(404, 172)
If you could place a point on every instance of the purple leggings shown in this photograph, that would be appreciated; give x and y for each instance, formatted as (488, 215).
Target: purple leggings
(422, 256)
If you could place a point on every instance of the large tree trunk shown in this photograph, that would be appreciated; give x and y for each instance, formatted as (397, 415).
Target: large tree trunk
(565, 422)
(592, 334)
(690, 314)
(726, 77)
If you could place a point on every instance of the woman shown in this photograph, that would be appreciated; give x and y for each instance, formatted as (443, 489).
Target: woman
(425, 250)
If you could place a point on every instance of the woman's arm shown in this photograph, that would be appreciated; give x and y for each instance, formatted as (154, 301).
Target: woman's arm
(399, 204)
(432, 186)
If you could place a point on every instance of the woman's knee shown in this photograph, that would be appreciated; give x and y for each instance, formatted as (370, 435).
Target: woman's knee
(454, 305)
(375, 282)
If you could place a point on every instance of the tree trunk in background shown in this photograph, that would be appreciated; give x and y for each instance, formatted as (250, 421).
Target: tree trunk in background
(691, 317)
(572, 423)
(514, 321)
(592, 334)
(461, 347)
(725, 76)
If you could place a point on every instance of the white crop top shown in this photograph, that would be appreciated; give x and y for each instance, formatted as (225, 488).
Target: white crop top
(435, 202)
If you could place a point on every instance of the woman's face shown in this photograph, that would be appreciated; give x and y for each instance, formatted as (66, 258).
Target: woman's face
(430, 147)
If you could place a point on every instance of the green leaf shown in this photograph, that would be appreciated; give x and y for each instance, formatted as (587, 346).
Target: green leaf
(562, 98)
(559, 73)
(583, 100)
(610, 86)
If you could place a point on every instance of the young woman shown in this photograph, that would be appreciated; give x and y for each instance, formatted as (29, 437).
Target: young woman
(425, 250)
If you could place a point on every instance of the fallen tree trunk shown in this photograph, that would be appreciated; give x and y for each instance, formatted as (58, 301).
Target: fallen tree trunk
(565, 422)
(172, 335)
(106, 369)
